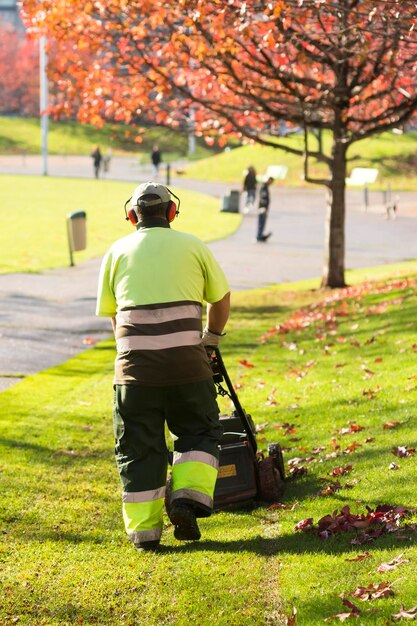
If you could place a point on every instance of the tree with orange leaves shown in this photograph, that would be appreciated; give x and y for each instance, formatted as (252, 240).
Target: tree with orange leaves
(241, 68)
(19, 73)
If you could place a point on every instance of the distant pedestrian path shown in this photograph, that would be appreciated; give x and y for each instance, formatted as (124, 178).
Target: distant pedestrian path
(47, 318)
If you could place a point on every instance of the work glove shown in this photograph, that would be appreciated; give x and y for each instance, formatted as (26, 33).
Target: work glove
(210, 338)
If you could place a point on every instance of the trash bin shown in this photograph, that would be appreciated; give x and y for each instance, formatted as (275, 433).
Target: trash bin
(225, 203)
(234, 202)
(77, 232)
(231, 202)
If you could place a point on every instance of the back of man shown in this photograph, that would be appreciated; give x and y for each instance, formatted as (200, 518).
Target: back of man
(153, 284)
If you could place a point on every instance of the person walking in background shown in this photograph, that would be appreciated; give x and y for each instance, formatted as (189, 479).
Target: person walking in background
(249, 186)
(264, 202)
(97, 158)
(156, 158)
(153, 284)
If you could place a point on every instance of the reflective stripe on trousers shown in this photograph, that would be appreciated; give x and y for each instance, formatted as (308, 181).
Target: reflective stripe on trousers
(142, 514)
(194, 476)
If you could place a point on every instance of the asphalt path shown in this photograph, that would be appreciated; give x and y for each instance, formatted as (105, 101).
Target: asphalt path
(47, 318)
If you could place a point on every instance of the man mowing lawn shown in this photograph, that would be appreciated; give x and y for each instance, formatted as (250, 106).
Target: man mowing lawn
(153, 284)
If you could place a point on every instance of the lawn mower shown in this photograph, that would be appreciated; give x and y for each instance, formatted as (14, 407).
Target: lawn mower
(244, 475)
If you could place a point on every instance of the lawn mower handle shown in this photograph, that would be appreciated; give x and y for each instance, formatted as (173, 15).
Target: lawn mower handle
(217, 360)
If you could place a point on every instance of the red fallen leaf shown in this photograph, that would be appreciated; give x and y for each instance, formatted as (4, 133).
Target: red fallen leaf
(291, 620)
(237, 386)
(352, 447)
(360, 557)
(354, 612)
(89, 341)
(371, 392)
(350, 605)
(298, 471)
(369, 373)
(304, 524)
(318, 450)
(403, 451)
(246, 363)
(330, 489)
(341, 471)
(407, 614)
(369, 439)
(373, 591)
(379, 359)
(353, 427)
(393, 564)
(390, 425)
(289, 429)
(277, 505)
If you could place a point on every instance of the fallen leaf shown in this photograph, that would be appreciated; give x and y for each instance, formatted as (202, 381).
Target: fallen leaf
(391, 565)
(291, 620)
(89, 341)
(403, 451)
(390, 425)
(393, 466)
(407, 614)
(342, 617)
(341, 471)
(246, 363)
(360, 557)
(373, 591)
(261, 427)
(304, 524)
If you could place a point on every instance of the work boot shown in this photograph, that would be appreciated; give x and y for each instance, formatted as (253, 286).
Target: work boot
(184, 520)
(148, 546)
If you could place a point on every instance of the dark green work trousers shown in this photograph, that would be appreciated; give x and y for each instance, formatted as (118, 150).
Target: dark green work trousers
(139, 418)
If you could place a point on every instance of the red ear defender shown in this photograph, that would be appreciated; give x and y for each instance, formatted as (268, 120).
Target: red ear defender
(171, 211)
(132, 217)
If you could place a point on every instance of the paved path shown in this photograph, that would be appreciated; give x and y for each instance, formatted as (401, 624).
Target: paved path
(47, 318)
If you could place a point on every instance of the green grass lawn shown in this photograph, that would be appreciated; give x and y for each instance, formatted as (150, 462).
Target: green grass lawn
(33, 210)
(330, 375)
(23, 136)
(394, 155)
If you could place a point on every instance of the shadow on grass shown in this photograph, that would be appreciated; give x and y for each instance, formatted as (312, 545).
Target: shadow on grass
(54, 456)
(296, 543)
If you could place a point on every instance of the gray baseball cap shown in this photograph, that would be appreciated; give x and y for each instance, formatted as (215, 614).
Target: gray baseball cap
(150, 188)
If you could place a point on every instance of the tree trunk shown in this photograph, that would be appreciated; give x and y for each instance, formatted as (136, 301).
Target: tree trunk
(334, 245)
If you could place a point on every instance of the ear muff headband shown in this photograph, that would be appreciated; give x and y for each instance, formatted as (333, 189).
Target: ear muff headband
(131, 215)
(171, 212)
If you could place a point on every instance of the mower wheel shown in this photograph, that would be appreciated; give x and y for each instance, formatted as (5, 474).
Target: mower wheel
(271, 484)
(274, 450)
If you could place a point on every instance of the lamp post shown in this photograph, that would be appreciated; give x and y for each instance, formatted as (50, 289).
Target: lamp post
(43, 102)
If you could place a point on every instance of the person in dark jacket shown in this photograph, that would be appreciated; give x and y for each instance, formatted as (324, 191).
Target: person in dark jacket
(264, 201)
(156, 158)
(249, 186)
(97, 158)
